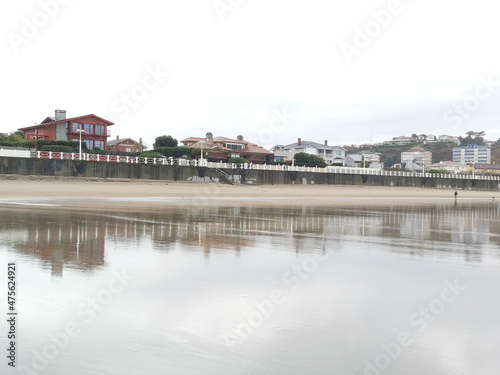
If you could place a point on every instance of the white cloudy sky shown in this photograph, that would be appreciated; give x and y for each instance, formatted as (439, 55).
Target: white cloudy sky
(231, 74)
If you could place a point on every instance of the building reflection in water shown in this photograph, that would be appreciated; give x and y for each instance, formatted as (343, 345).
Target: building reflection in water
(62, 239)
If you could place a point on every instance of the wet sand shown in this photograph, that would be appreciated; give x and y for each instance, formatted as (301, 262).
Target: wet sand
(134, 195)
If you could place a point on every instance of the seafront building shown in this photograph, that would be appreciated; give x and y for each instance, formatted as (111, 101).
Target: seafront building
(472, 154)
(125, 145)
(416, 159)
(400, 141)
(485, 168)
(363, 158)
(93, 129)
(450, 166)
(223, 149)
(331, 154)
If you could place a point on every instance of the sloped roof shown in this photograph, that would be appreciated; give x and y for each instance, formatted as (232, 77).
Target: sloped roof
(449, 163)
(416, 149)
(217, 143)
(208, 145)
(304, 144)
(121, 140)
(49, 119)
(255, 149)
(45, 124)
(355, 157)
(486, 166)
(192, 139)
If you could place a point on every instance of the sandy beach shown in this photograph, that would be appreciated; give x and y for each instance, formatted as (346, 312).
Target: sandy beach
(138, 194)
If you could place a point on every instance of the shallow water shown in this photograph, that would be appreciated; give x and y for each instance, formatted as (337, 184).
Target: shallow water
(255, 290)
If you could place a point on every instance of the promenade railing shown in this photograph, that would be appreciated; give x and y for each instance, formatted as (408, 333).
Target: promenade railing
(266, 167)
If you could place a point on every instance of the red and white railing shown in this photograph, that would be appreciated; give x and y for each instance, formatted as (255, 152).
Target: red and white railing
(267, 167)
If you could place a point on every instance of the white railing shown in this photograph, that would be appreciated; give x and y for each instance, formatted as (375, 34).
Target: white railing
(266, 167)
(14, 153)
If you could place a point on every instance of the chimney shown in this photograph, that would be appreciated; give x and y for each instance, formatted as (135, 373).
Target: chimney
(60, 115)
(326, 142)
(299, 141)
(239, 138)
(117, 138)
(210, 136)
(140, 145)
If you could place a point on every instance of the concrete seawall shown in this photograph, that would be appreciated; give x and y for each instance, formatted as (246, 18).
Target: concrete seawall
(67, 168)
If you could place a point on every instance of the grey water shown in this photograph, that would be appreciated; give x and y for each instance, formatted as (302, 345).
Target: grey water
(403, 289)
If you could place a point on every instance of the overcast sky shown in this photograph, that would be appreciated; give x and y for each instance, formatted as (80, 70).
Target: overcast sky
(271, 70)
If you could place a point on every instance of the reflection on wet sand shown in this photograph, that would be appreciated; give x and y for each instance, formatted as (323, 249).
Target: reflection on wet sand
(62, 239)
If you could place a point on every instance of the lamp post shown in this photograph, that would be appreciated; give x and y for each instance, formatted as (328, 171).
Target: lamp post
(201, 156)
(80, 143)
(292, 150)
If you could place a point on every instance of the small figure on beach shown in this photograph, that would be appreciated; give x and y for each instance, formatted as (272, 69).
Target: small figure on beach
(456, 194)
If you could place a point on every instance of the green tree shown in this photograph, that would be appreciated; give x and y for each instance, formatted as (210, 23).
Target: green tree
(473, 137)
(308, 160)
(165, 141)
(238, 160)
(15, 137)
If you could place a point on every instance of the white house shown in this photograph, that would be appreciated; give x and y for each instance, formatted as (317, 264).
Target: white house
(416, 158)
(331, 154)
(363, 158)
(449, 166)
(400, 141)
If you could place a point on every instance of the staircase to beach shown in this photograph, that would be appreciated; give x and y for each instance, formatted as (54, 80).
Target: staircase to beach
(224, 176)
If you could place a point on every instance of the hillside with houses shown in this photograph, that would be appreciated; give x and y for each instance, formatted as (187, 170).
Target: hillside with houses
(471, 153)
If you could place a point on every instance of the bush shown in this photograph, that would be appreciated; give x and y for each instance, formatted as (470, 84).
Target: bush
(238, 160)
(39, 143)
(308, 160)
(120, 153)
(149, 155)
(57, 148)
(177, 152)
(12, 144)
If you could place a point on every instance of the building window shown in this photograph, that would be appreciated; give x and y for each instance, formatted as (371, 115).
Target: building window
(233, 146)
(88, 128)
(99, 129)
(99, 144)
(76, 126)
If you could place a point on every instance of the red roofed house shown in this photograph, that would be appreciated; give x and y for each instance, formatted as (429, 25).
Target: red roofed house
(60, 128)
(223, 149)
(125, 145)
